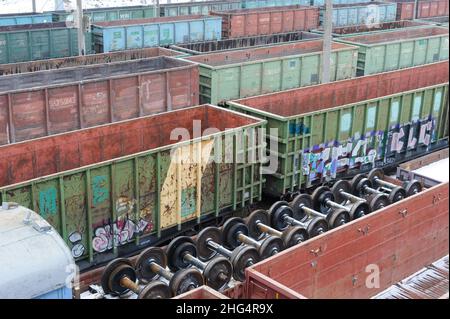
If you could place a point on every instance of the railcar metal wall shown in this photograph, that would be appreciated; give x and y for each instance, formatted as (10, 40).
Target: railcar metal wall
(162, 183)
(252, 22)
(50, 102)
(236, 74)
(397, 241)
(333, 130)
(380, 52)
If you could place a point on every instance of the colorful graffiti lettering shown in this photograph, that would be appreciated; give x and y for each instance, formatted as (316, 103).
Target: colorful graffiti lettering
(47, 202)
(324, 161)
(409, 136)
(100, 192)
(118, 233)
(78, 248)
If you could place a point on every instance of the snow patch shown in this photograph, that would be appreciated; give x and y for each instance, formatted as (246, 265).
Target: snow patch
(438, 170)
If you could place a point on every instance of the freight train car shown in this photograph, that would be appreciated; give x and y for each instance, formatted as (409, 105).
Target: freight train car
(333, 130)
(361, 13)
(394, 243)
(110, 14)
(62, 63)
(372, 28)
(30, 42)
(252, 4)
(244, 43)
(253, 22)
(50, 102)
(424, 9)
(399, 49)
(439, 21)
(143, 33)
(322, 2)
(141, 182)
(24, 18)
(197, 7)
(235, 74)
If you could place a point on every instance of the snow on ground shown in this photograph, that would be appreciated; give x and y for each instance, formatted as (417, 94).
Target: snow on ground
(21, 6)
(438, 170)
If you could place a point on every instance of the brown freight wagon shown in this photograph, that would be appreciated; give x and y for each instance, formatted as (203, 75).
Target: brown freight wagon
(52, 64)
(395, 242)
(50, 102)
(425, 9)
(252, 22)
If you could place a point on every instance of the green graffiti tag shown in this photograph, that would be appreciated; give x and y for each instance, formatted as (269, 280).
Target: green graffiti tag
(47, 202)
(188, 199)
(100, 192)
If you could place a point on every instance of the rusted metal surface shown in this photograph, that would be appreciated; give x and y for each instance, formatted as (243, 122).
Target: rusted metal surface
(132, 190)
(324, 96)
(203, 292)
(425, 9)
(432, 8)
(44, 103)
(53, 154)
(410, 33)
(251, 22)
(52, 64)
(396, 241)
(309, 124)
(429, 283)
(244, 43)
(362, 28)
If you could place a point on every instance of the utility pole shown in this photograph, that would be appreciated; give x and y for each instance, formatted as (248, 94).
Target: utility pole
(326, 54)
(80, 25)
(34, 6)
(415, 10)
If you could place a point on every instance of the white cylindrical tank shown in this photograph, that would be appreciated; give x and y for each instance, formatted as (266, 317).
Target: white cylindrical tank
(34, 260)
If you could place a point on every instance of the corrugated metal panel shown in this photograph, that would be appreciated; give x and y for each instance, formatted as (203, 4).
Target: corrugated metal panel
(432, 8)
(380, 52)
(111, 14)
(343, 262)
(236, 74)
(429, 283)
(315, 130)
(143, 33)
(18, 19)
(39, 41)
(50, 102)
(197, 7)
(252, 22)
(361, 13)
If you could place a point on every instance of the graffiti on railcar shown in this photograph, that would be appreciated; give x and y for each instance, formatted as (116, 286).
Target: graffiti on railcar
(110, 234)
(118, 233)
(409, 136)
(326, 160)
(78, 249)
